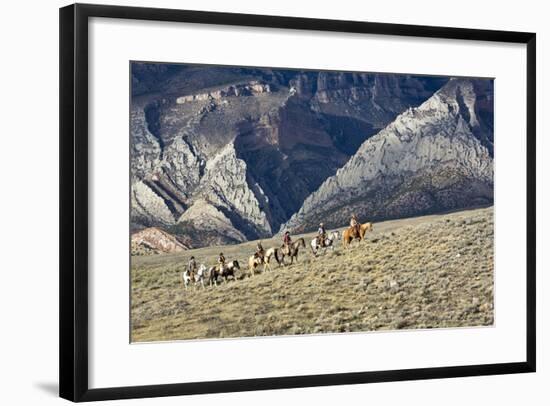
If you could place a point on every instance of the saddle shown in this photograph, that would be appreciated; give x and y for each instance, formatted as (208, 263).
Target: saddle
(355, 231)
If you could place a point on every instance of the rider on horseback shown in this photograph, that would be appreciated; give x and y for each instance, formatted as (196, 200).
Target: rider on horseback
(192, 266)
(321, 235)
(221, 262)
(259, 251)
(287, 240)
(354, 224)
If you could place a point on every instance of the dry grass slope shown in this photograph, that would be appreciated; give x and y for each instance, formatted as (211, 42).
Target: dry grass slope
(426, 272)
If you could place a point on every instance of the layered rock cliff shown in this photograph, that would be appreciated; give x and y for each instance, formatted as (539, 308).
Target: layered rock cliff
(222, 155)
(433, 158)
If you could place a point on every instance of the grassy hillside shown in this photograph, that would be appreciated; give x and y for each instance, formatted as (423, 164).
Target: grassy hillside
(425, 272)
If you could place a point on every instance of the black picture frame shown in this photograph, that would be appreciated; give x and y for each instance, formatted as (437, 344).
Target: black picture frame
(73, 278)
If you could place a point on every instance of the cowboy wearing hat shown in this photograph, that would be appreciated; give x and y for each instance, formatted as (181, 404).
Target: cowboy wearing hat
(221, 262)
(287, 240)
(192, 266)
(321, 235)
(259, 251)
(354, 223)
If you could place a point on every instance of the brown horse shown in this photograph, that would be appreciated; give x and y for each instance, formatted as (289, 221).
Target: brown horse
(292, 250)
(351, 234)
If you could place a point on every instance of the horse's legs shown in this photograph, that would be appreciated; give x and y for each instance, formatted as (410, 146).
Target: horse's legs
(186, 282)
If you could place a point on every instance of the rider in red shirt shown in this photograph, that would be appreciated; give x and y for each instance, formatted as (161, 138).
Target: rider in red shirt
(287, 239)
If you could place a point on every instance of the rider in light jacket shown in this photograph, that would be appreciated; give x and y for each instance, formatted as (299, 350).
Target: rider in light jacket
(259, 251)
(221, 262)
(354, 223)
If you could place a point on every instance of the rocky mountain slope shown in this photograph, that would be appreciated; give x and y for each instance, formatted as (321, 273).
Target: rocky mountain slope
(223, 155)
(153, 241)
(432, 158)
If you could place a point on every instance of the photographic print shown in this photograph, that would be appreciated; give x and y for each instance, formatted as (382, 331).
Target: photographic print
(275, 201)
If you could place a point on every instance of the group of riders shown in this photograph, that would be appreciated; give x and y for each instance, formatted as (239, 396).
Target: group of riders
(287, 241)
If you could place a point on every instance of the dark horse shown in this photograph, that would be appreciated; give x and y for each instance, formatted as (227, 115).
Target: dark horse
(292, 250)
(227, 270)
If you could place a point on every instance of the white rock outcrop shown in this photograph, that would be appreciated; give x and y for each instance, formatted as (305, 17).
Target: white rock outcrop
(205, 217)
(225, 185)
(145, 147)
(436, 136)
(148, 205)
(248, 89)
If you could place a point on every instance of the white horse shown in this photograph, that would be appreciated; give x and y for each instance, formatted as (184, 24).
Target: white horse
(329, 243)
(272, 252)
(188, 277)
(254, 261)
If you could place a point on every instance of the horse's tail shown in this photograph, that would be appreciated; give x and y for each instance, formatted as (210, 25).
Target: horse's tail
(276, 253)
